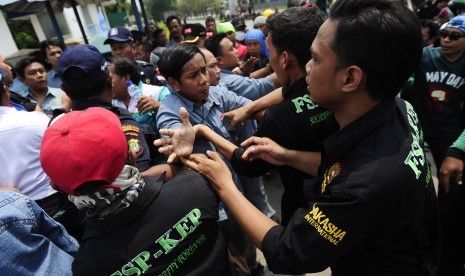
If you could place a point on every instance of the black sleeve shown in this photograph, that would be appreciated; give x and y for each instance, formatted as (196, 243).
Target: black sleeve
(319, 235)
(454, 152)
(252, 169)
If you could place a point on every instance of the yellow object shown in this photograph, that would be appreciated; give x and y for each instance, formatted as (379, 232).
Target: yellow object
(268, 12)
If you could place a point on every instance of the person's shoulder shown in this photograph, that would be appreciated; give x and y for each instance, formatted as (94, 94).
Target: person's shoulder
(124, 116)
(172, 100)
(431, 53)
(57, 92)
(217, 91)
(144, 64)
(194, 182)
(14, 205)
(32, 117)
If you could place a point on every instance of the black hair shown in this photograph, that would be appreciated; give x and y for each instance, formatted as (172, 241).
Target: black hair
(432, 27)
(171, 18)
(87, 90)
(146, 46)
(175, 58)
(209, 19)
(124, 67)
(25, 62)
(213, 43)
(44, 45)
(157, 32)
(294, 30)
(382, 37)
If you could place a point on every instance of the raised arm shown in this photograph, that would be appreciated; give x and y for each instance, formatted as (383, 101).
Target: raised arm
(268, 150)
(255, 108)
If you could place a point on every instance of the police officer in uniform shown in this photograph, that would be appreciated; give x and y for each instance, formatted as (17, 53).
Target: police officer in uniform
(85, 80)
(122, 44)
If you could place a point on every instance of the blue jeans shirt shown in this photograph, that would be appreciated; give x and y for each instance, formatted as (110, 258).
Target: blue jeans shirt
(31, 242)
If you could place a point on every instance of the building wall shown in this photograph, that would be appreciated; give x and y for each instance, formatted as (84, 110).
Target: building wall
(8, 45)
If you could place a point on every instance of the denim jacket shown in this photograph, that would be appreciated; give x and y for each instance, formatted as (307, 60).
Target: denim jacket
(31, 242)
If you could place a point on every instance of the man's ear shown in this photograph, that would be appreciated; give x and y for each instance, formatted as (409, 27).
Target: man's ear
(284, 58)
(174, 84)
(6, 91)
(21, 79)
(219, 60)
(353, 79)
(127, 78)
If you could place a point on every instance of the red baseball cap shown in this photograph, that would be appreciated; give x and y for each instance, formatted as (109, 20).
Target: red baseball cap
(84, 146)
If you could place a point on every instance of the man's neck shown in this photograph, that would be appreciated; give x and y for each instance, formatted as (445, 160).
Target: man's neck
(354, 108)
(39, 94)
(178, 39)
(295, 75)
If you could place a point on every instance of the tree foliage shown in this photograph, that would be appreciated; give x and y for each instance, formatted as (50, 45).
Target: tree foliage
(23, 33)
(157, 7)
(199, 7)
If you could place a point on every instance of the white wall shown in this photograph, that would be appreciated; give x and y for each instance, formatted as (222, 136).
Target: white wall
(8, 45)
(38, 27)
(72, 22)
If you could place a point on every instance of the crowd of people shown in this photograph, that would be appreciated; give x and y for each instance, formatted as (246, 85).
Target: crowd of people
(152, 161)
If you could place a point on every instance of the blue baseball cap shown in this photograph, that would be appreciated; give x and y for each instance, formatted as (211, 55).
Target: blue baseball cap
(85, 57)
(119, 34)
(457, 22)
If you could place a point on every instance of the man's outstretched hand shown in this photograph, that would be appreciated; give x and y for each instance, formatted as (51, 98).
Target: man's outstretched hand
(179, 142)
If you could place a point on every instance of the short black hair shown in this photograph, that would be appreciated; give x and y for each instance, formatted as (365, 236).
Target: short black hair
(25, 62)
(175, 58)
(213, 43)
(382, 37)
(157, 32)
(171, 18)
(146, 46)
(87, 90)
(45, 43)
(432, 27)
(209, 19)
(294, 30)
(124, 67)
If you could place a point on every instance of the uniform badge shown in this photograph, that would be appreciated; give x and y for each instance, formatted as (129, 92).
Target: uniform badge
(132, 135)
(134, 145)
(330, 174)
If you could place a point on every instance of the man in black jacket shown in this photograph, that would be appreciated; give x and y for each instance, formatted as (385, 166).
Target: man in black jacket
(375, 211)
(134, 224)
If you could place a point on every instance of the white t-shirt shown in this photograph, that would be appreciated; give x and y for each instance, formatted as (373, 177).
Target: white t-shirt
(158, 93)
(21, 135)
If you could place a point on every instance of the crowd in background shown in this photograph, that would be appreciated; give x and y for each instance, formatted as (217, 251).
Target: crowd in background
(88, 175)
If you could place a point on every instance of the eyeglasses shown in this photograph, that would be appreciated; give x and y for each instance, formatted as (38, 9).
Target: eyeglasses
(443, 35)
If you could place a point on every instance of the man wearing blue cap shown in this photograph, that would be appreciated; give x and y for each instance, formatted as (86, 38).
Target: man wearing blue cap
(86, 81)
(122, 44)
